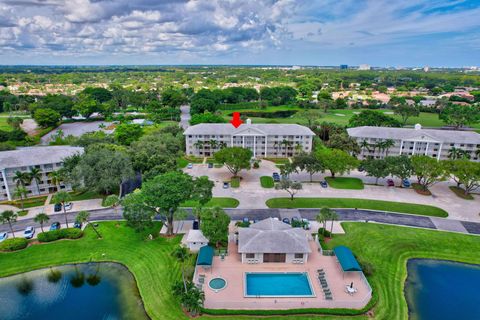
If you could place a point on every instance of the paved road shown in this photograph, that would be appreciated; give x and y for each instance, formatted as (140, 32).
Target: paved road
(258, 214)
(185, 116)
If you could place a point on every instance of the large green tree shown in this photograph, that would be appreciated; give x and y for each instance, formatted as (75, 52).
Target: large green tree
(166, 192)
(377, 168)
(307, 162)
(127, 133)
(8, 216)
(405, 111)
(336, 161)
(427, 170)
(103, 169)
(374, 119)
(292, 187)
(214, 225)
(400, 167)
(460, 115)
(46, 117)
(464, 172)
(234, 158)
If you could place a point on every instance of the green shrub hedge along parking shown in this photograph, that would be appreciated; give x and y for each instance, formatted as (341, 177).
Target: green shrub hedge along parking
(68, 233)
(223, 202)
(386, 248)
(400, 207)
(13, 244)
(266, 182)
(345, 183)
(235, 182)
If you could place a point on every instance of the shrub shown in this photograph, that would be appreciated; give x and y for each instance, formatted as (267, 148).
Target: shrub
(69, 233)
(323, 233)
(13, 244)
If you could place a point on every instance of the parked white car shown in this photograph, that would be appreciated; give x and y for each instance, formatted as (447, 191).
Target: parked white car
(29, 232)
(68, 206)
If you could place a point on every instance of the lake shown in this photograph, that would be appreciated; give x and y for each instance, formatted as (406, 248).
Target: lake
(442, 290)
(84, 291)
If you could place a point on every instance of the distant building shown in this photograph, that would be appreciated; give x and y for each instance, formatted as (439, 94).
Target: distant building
(364, 67)
(430, 142)
(47, 159)
(264, 140)
(344, 66)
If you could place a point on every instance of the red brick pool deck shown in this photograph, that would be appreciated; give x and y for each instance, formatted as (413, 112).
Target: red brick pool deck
(232, 270)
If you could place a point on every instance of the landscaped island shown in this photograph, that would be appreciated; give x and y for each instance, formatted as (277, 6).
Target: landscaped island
(384, 249)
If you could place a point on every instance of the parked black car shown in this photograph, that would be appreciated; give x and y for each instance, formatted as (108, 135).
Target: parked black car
(77, 225)
(55, 226)
(324, 184)
(57, 207)
(286, 220)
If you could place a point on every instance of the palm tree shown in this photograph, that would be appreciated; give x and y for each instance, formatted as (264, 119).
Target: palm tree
(222, 144)
(181, 254)
(364, 145)
(298, 147)
(20, 178)
(387, 144)
(323, 217)
(82, 217)
(193, 301)
(54, 275)
(213, 144)
(276, 145)
(20, 192)
(199, 145)
(333, 217)
(9, 217)
(62, 197)
(56, 178)
(94, 279)
(41, 218)
(455, 153)
(35, 174)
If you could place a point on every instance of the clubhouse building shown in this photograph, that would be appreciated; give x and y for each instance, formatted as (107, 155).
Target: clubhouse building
(47, 159)
(264, 140)
(435, 143)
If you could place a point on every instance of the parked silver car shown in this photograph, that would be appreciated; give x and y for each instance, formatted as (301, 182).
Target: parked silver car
(29, 232)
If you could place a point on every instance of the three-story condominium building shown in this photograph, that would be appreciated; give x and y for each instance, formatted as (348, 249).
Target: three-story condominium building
(379, 142)
(264, 140)
(46, 159)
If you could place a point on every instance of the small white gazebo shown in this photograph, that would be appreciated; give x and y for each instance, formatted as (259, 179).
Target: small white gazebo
(194, 240)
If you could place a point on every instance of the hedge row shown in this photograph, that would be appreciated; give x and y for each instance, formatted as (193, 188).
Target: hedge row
(13, 244)
(267, 114)
(69, 233)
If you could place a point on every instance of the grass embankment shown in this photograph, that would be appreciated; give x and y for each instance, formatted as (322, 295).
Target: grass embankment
(27, 203)
(459, 192)
(266, 182)
(387, 248)
(345, 183)
(182, 162)
(410, 208)
(222, 202)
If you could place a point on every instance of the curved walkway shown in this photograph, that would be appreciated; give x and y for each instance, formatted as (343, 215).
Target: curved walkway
(408, 220)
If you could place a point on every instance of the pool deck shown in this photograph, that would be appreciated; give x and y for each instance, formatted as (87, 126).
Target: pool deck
(232, 270)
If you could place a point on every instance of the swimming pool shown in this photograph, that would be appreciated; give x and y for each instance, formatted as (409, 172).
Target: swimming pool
(278, 284)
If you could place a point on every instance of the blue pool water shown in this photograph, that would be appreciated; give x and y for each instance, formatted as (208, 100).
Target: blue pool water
(278, 285)
(442, 290)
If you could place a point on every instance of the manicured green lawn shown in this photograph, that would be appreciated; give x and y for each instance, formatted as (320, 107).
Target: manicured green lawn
(222, 202)
(28, 203)
(400, 207)
(182, 163)
(235, 182)
(278, 160)
(388, 248)
(345, 183)
(266, 182)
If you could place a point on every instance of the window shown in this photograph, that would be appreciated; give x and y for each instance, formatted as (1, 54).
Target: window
(250, 256)
(298, 255)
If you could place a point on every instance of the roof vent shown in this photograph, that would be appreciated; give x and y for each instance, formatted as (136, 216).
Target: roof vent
(249, 121)
(418, 126)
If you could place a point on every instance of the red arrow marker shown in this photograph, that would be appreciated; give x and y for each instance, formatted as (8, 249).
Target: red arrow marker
(236, 121)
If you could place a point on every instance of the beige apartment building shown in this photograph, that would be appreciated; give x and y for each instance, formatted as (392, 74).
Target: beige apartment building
(264, 140)
(436, 143)
(47, 159)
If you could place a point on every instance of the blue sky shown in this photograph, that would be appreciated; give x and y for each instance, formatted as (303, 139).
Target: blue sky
(322, 32)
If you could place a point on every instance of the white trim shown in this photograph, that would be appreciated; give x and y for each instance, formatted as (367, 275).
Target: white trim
(439, 151)
(401, 146)
(4, 176)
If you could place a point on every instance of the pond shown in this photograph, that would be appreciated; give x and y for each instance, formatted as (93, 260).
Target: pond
(442, 290)
(82, 291)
